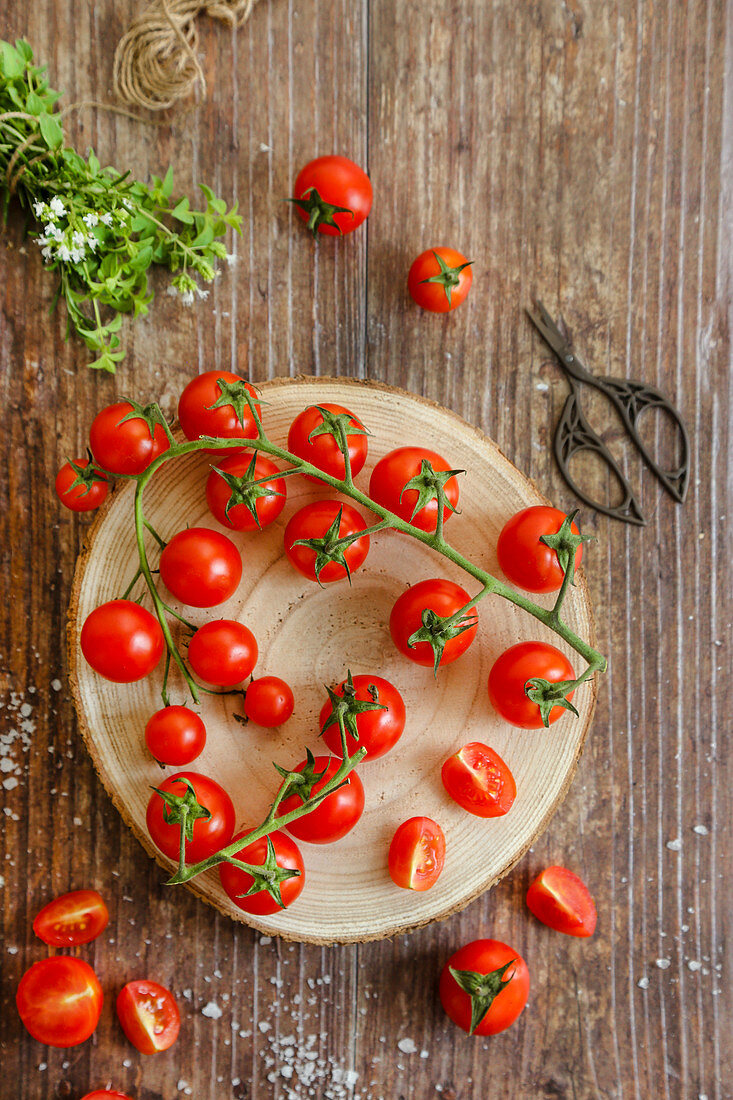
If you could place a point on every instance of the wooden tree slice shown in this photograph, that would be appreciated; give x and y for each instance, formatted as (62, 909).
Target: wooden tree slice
(310, 637)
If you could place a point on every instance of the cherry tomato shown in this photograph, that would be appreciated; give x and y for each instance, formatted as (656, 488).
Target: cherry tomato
(149, 1016)
(379, 730)
(237, 882)
(219, 493)
(511, 672)
(122, 641)
(59, 1001)
(333, 195)
(443, 597)
(417, 854)
(175, 735)
(322, 450)
(200, 567)
(106, 1094)
(561, 900)
(268, 701)
(336, 815)
(440, 279)
(391, 474)
(317, 521)
(477, 779)
(125, 446)
(200, 414)
(223, 652)
(72, 919)
(209, 834)
(81, 492)
(510, 990)
(526, 561)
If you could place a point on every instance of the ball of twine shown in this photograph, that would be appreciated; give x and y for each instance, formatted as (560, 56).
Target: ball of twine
(155, 62)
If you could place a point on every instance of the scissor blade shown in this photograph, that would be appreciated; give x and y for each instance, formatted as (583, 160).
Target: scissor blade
(549, 331)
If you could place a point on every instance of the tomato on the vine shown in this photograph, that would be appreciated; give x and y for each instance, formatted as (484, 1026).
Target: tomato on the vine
(72, 919)
(204, 408)
(323, 523)
(122, 641)
(149, 1015)
(440, 279)
(201, 567)
(444, 598)
(59, 1001)
(223, 652)
(417, 854)
(393, 472)
(209, 833)
(561, 900)
(308, 440)
(378, 730)
(122, 440)
(484, 987)
(175, 735)
(336, 814)
(479, 780)
(268, 701)
(231, 496)
(333, 195)
(513, 670)
(79, 487)
(237, 882)
(524, 559)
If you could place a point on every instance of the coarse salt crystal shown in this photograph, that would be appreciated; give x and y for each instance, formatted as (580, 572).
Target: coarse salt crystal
(693, 964)
(674, 845)
(643, 983)
(664, 964)
(701, 830)
(407, 1046)
(212, 1010)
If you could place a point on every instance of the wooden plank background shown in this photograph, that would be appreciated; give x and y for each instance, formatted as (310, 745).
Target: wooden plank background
(581, 150)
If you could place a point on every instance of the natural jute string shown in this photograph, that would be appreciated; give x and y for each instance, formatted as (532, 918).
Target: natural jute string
(156, 63)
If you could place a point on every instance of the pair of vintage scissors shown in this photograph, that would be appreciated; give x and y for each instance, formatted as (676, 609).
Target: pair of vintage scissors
(574, 434)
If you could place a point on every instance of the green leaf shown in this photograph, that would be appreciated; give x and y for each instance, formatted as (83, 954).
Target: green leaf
(24, 49)
(34, 104)
(167, 185)
(51, 131)
(11, 62)
(181, 213)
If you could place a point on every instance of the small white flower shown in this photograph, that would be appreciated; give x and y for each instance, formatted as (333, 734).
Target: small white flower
(106, 218)
(57, 207)
(92, 242)
(90, 219)
(39, 209)
(63, 252)
(47, 253)
(41, 241)
(54, 233)
(187, 297)
(202, 293)
(77, 238)
(171, 291)
(231, 259)
(77, 254)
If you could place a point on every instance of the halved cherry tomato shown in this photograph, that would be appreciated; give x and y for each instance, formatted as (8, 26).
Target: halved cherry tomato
(59, 1001)
(440, 279)
(149, 1015)
(379, 730)
(268, 701)
(417, 854)
(81, 491)
(204, 409)
(526, 561)
(514, 669)
(561, 900)
(322, 450)
(443, 597)
(222, 497)
(318, 521)
(106, 1094)
(499, 979)
(223, 652)
(201, 567)
(477, 779)
(237, 882)
(392, 473)
(125, 446)
(72, 919)
(336, 814)
(333, 195)
(209, 833)
(175, 735)
(122, 641)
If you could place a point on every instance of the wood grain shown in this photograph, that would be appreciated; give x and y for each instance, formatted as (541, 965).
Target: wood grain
(579, 150)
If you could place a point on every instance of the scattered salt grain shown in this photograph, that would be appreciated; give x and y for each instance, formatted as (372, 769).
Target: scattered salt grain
(264, 1026)
(407, 1046)
(701, 830)
(664, 964)
(675, 845)
(212, 1010)
(264, 940)
(56, 685)
(10, 783)
(643, 983)
(424, 1053)
(693, 964)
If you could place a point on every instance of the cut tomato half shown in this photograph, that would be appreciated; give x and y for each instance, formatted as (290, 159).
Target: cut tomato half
(561, 900)
(479, 780)
(417, 854)
(72, 919)
(149, 1016)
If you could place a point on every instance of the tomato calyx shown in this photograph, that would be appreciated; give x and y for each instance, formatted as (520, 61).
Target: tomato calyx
(319, 211)
(266, 876)
(183, 809)
(331, 547)
(247, 489)
(548, 695)
(565, 544)
(302, 782)
(346, 708)
(150, 414)
(437, 631)
(482, 989)
(430, 485)
(85, 476)
(335, 424)
(237, 396)
(448, 277)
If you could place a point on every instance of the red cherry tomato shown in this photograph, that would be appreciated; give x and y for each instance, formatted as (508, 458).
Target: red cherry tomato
(336, 815)
(516, 666)
(72, 919)
(149, 1016)
(90, 489)
(209, 834)
(237, 882)
(327, 184)
(122, 641)
(314, 521)
(106, 1094)
(125, 446)
(417, 854)
(223, 652)
(391, 474)
(561, 900)
(486, 957)
(440, 287)
(443, 597)
(268, 702)
(175, 735)
(379, 730)
(524, 560)
(59, 1001)
(477, 779)
(199, 414)
(239, 518)
(322, 450)
(200, 567)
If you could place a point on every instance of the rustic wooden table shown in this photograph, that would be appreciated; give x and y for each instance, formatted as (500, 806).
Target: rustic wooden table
(579, 150)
